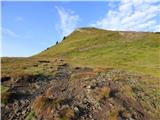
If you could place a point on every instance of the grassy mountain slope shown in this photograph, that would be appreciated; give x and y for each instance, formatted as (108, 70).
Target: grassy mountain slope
(135, 51)
(84, 78)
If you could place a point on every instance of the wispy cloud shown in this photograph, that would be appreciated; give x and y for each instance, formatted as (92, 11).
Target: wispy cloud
(136, 15)
(8, 32)
(68, 21)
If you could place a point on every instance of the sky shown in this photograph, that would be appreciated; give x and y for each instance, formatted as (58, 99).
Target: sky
(30, 27)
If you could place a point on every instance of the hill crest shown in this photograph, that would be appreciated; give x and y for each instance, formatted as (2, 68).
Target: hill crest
(94, 47)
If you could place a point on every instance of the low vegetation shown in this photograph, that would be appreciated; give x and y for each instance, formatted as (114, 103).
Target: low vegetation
(133, 51)
(92, 74)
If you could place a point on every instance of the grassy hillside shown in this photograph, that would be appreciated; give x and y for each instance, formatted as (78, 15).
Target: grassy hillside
(134, 51)
(86, 76)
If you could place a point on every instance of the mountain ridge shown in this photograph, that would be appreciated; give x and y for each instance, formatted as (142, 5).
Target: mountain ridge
(84, 44)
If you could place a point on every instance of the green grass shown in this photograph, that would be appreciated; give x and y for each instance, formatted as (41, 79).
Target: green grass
(15, 67)
(133, 51)
(3, 89)
(4, 94)
(139, 52)
(30, 116)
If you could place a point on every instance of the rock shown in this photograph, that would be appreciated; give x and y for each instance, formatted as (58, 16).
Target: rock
(22, 102)
(23, 112)
(90, 116)
(44, 61)
(88, 87)
(36, 86)
(5, 78)
(77, 68)
(76, 109)
(35, 65)
(18, 114)
(131, 119)
(111, 105)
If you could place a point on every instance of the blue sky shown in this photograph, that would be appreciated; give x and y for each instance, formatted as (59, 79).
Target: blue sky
(30, 27)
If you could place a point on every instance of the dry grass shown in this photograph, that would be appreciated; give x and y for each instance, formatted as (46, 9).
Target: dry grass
(101, 93)
(67, 114)
(46, 108)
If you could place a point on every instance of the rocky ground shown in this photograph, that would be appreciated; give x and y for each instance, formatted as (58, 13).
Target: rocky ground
(81, 93)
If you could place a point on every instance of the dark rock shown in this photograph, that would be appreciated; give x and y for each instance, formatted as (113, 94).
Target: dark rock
(64, 37)
(35, 65)
(64, 65)
(5, 78)
(43, 61)
(77, 68)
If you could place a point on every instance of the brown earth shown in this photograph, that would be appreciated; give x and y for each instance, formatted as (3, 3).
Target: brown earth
(76, 93)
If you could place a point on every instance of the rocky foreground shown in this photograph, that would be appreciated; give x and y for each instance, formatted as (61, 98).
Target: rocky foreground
(81, 93)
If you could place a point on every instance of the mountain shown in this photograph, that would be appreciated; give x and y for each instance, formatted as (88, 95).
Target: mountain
(92, 74)
(136, 51)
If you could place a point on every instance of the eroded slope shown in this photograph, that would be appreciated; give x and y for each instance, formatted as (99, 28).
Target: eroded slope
(80, 93)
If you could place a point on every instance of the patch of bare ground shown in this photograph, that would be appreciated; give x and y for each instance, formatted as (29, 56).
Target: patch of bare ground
(131, 35)
(77, 93)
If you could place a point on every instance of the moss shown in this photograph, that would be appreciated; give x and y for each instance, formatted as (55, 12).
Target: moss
(31, 116)
(3, 89)
(4, 94)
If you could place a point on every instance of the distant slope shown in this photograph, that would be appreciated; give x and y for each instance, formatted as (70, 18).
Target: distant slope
(135, 51)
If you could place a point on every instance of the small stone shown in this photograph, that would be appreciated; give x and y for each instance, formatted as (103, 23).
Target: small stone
(22, 102)
(37, 86)
(23, 112)
(90, 116)
(76, 109)
(18, 114)
(84, 86)
(88, 87)
(131, 119)
(110, 105)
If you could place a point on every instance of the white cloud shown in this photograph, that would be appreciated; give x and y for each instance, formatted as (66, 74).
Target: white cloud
(134, 15)
(8, 32)
(68, 21)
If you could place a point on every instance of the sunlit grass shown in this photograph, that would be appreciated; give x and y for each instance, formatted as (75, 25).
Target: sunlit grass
(139, 52)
